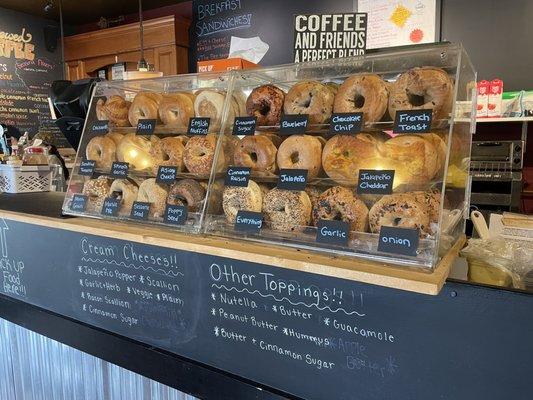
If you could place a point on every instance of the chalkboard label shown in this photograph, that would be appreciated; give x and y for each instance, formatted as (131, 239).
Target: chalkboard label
(333, 232)
(119, 169)
(198, 126)
(146, 126)
(293, 124)
(237, 176)
(166, 174)
(140, 210)
(110, 207)
(175, 215)
(346, 123)
(78, 203)
(244, 126)
(398, 240)
(87, 167)
(375, 182)
(100, 127)
(248, 221)
(292, 179)
(412, 121)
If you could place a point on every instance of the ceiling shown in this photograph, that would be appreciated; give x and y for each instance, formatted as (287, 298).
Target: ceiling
(84, 11)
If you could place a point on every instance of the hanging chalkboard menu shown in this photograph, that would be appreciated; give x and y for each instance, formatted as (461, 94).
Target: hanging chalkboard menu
(312, 336)
(27, 70)
(216, 21)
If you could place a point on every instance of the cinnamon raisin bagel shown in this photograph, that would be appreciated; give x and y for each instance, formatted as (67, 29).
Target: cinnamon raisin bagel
(257, 152)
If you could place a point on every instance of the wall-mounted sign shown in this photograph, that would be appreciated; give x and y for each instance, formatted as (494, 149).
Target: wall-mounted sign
(320, 37)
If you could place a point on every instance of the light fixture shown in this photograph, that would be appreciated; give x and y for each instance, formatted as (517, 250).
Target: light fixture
(142, 65)
(48, 6)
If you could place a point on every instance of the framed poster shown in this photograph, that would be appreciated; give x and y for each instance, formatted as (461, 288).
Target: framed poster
(400, 22)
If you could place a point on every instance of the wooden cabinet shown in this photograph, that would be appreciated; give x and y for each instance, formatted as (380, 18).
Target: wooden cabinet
(165, 46)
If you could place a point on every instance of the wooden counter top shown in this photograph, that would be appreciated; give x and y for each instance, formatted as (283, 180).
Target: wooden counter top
(285, 257)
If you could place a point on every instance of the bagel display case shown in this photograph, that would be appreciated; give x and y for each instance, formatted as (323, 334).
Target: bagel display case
(363, 157)
(148, 147)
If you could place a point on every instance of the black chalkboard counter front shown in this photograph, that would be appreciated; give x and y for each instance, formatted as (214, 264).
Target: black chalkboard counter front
(222, 319)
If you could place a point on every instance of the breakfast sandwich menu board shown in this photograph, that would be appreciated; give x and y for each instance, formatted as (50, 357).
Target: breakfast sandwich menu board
(312, 336)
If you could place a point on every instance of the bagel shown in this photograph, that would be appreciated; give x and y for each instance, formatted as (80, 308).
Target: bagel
(366, 93)
(151, 192)
(340, 203)
(311, 98)
(176, 109)
(210, 104)
(400, 210)
(199, 154)
(257, 152)
(265, 103)
(287, 210)
(186, 192)
(344, 155)
(235, 199)
(125, 192)
(102, 150)
(144, 106)
(301, 152)
(422, 88)
(135, 150)
(96, 191)
(413, 158)
(115, 109)
(167, 152)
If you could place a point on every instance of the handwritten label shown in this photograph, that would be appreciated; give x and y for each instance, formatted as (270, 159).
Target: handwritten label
(412, 121)
(333, 232)
(100, 127)
(78, 202)
(398, 240)
(237, 176)
(87, 167)
(292, 179)
(119, 169)
(110, 207)
(166, 174)
(244, 126)
(176, 215)
(248, 221)
(375, 182)
(146, 126)
(293, 124)
(346, 123)
(198, 126)
(140, 210)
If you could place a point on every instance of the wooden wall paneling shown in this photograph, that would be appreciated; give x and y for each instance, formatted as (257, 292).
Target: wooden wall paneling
(75, 70)
(165, 42)
(165, 60)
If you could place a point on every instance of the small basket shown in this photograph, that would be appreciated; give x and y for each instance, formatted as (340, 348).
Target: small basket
(25, 179)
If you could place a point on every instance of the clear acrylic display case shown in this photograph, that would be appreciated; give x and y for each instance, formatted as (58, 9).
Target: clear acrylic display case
(146, 125)
(337, 211)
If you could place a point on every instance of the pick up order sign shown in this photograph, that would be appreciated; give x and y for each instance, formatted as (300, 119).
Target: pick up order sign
(321, 37)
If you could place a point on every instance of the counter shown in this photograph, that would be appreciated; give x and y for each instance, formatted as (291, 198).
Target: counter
(224, 319)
